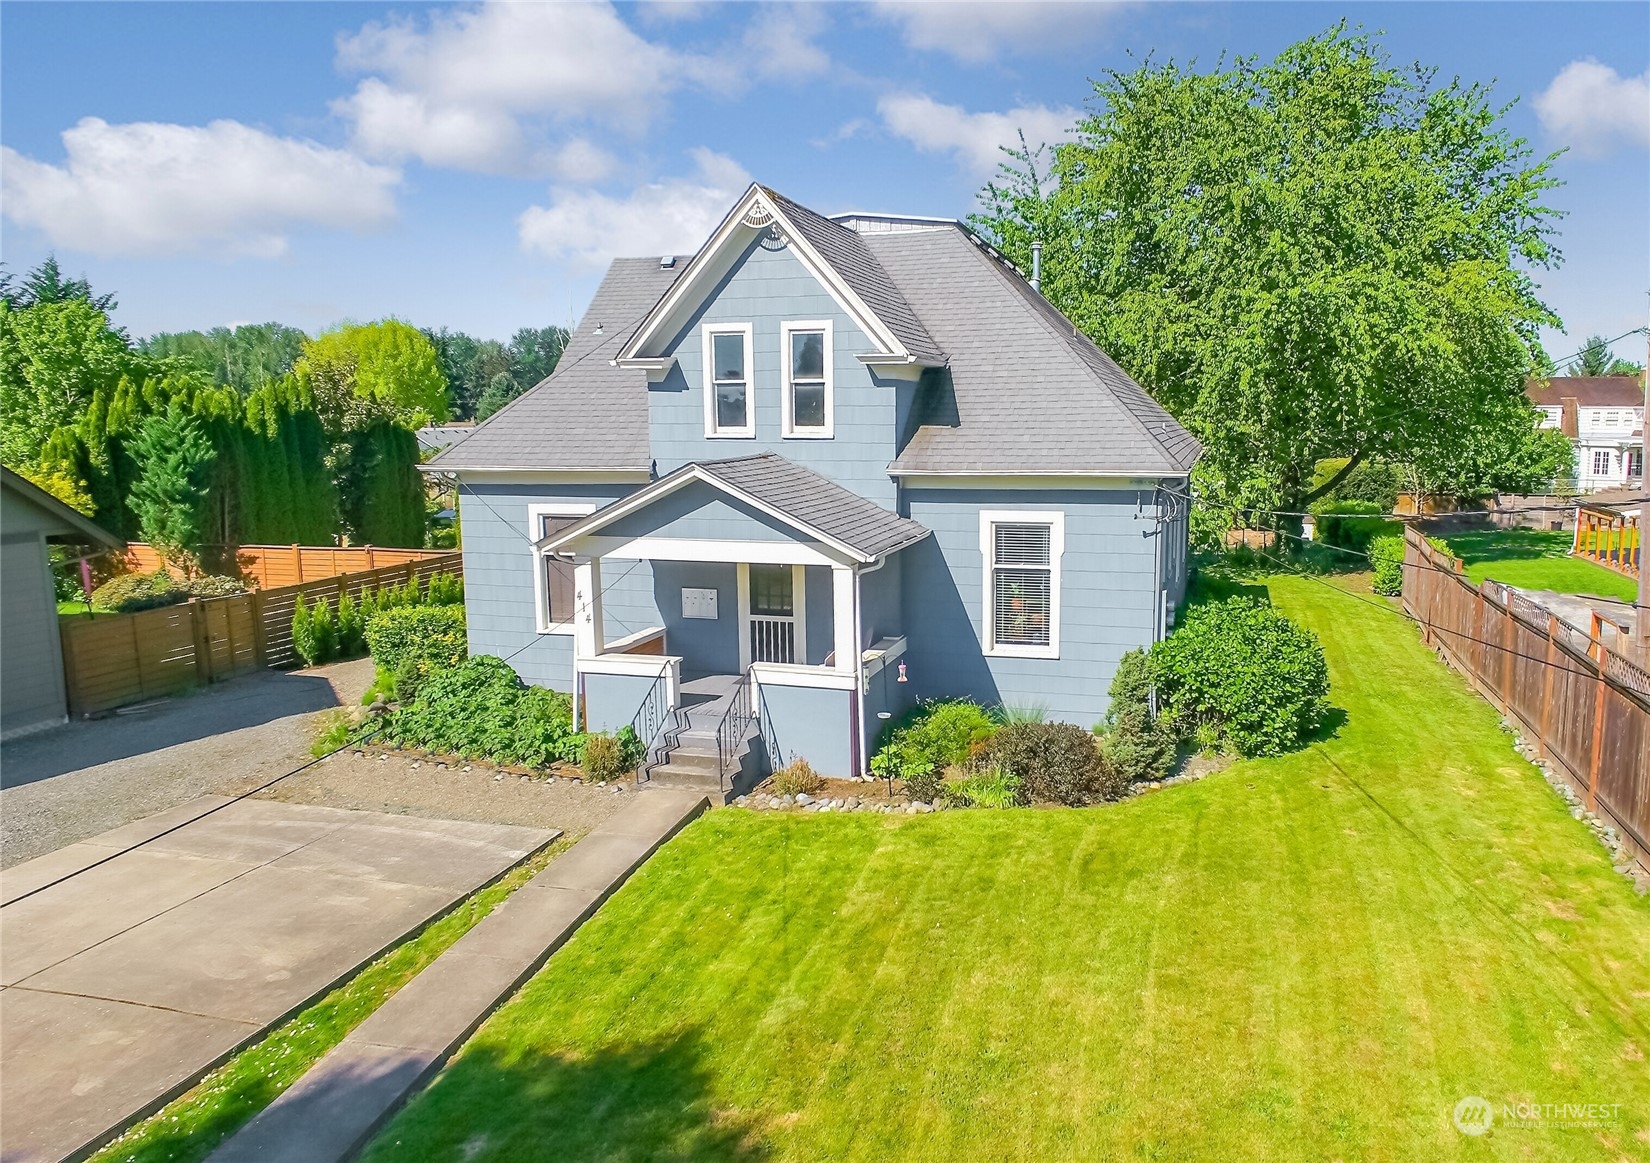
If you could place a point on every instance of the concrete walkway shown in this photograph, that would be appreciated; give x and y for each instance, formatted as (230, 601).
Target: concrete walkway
(159, 955)
(332, 1111)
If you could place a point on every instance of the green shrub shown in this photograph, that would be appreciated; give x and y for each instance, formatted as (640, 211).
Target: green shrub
(1008, 714)
(897, 761)
(942, 732)
(211, 585)
(352, 627)
(445, 589)
(480, 709)
(1353, 524)
(1371, 481)
(1239, 674)
(1055, 761)
(1137, 743)
(131, 592)
(796, 778)
(994, 787)
(1387, 556)
(323, 629)
(303, 632)
(433, 636)
(336, 730)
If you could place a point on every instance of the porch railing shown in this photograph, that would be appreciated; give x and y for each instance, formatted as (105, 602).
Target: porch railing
(735, 725)
(773, 638)
(653, 721)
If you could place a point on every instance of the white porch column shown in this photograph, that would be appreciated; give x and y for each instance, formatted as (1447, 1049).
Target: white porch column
(843, 620)
(588, 639)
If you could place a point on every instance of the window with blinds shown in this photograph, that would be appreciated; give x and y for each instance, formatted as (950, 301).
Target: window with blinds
(1022, 584)
(557, 575)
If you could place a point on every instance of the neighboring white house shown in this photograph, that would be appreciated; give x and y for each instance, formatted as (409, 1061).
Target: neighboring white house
(1604, 417)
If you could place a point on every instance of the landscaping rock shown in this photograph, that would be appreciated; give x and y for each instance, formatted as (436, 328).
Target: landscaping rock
(802, 798)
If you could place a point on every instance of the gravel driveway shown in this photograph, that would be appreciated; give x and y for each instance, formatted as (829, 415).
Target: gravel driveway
(84, 778)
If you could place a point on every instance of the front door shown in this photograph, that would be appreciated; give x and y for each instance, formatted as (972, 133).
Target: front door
(772, 628)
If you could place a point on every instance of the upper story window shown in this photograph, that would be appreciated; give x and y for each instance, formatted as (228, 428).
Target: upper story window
(805, 349)
(1022, 575)
(730, 404)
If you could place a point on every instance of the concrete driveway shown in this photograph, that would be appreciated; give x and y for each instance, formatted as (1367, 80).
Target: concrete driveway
(130, 964)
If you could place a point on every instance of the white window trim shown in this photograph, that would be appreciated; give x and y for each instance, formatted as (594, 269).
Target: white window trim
(708, 376)
(1055, 519)
(541, 583)
(789, 430)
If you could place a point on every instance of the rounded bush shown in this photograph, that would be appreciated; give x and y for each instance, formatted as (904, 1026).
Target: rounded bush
(942, 732)
(1386, 554)
(211, 585)
(130, 592)
(482, 710)
(1137, 743)
(1056, 761)
(1240, 674)
(431, 636)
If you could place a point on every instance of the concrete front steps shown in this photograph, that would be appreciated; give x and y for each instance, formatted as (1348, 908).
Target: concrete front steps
(692, 762)
(333, 1111)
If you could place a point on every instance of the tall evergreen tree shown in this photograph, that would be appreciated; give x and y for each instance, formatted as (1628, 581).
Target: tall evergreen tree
(175, 458)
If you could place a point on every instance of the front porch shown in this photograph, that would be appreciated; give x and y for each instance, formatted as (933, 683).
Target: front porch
(765, 651)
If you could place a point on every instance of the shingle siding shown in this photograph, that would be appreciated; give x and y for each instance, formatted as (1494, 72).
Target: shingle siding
(499, 586)
(766, 288)
(1107, 601)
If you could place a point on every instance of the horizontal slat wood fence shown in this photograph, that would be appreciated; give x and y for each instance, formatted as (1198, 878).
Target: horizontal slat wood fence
(113, 660)
(1586, 707)
(273, 566)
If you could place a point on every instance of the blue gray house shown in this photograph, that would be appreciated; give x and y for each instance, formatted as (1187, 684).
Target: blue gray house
(778, 489)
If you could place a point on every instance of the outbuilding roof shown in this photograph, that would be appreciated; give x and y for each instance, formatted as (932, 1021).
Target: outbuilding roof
(75, 524)
(810, 503)
(1588, 391)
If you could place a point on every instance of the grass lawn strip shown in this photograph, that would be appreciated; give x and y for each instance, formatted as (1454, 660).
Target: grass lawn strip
(1311, 957)
(1535, 559)
(192, 1126)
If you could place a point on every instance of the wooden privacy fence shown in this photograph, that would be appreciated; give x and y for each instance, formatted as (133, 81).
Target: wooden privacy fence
(111, 660)
(1586, 707)
(274, 566)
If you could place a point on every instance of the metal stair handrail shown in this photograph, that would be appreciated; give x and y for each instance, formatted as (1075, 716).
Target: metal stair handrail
(654, 721)
(730, 732)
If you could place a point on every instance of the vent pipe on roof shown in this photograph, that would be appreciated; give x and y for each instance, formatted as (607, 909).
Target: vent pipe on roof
(1037, 266)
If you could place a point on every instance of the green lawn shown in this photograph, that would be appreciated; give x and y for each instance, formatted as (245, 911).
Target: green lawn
(1537, 560)
(1312, 957)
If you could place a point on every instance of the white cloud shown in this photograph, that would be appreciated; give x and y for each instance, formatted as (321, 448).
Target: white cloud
(978, 32)
(779, 42)
(673, 216)
(976, 139)
(155, 188)
(1592, 108)
(470, 88)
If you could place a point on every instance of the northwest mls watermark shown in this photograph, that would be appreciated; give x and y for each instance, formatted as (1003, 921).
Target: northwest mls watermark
(1475, 1116)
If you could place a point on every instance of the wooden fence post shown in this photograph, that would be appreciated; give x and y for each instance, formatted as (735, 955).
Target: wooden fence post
(201, 635)
(1598, 740)
(260, 638)
(298, 563)
(1547, 686)
(1509, 638)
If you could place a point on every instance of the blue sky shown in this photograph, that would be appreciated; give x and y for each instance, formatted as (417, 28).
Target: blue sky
(475, 165)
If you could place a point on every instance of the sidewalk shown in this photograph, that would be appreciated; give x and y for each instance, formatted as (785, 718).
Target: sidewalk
(332, 1111)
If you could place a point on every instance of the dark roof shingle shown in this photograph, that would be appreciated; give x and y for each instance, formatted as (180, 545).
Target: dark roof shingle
(587, 414)
(1028, 392)
(1589, 391)
(818, 502)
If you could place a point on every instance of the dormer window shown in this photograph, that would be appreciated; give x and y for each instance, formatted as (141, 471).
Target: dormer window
(730, 409)
(806, 352)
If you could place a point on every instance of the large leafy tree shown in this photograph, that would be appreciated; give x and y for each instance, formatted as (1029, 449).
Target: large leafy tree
(55, 355)
(1318, 256)
(47, 283)
(244, 358)
(367, 373)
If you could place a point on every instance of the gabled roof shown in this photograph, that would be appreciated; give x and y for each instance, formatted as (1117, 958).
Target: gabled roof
(587, 414)
(812, 504)
(1024, 391)
(836, 255)
(1589, 391)
(77, 523)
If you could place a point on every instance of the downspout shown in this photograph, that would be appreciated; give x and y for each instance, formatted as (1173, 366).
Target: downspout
(860, 759)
